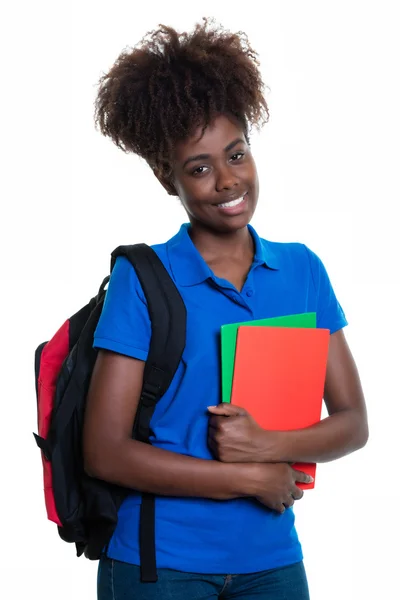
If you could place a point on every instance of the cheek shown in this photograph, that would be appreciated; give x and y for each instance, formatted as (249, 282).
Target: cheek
(196, 195)
(190, 203)
(184, 195)
(254, 179)
(253, 171)
(256, 184)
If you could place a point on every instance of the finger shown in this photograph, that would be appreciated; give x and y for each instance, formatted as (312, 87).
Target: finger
(211, 435)
(302, 477)
(222, 422)
(227, 410)
(215, 421)
(212, 446)
(289, 502)
(218, 429)
(297, 493)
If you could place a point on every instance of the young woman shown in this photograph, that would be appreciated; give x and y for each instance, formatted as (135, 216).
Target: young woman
(225, 487)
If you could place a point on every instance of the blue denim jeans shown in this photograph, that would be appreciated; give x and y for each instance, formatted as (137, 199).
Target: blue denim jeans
(121, 581)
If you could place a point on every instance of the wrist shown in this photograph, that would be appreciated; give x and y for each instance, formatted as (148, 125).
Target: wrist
(273, 446)
(248, 479)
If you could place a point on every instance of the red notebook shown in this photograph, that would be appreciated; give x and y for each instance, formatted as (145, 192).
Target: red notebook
(279, 378)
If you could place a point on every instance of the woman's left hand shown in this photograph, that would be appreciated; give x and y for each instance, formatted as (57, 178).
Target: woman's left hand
(234, 436)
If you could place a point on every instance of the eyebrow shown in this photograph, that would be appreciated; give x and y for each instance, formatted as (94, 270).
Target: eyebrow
(206, 156)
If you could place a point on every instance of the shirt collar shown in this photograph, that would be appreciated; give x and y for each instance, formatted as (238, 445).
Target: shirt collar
(188, 266)
(263, 255)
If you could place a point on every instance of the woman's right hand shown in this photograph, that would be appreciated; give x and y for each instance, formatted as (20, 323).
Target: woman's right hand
(274, 484)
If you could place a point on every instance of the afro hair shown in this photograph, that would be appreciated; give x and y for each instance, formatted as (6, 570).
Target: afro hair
(171, 83)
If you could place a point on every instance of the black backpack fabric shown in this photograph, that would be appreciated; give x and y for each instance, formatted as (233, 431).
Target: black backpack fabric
(85, 509)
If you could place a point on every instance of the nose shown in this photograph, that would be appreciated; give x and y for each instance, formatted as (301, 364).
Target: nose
(225, 179)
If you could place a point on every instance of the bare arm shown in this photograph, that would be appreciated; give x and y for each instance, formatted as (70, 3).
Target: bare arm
(111, 454)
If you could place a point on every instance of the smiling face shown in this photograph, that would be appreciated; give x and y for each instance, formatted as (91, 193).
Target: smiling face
(216, 178)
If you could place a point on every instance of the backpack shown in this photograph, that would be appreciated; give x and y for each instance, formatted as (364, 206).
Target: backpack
(85, 509)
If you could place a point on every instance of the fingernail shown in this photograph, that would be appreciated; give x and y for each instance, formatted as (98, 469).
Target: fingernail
(211, 407)
(310, 479)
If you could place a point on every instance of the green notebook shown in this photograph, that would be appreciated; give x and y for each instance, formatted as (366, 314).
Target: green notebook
(229, 336)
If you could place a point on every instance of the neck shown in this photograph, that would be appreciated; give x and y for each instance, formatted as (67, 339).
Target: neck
(214, 245)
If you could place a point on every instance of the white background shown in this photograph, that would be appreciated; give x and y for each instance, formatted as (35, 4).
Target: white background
(328, 163)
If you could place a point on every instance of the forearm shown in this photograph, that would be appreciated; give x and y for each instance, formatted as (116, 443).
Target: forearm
(333, 437)
(143, 467)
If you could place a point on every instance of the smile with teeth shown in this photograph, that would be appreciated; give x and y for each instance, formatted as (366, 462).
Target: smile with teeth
(232, 203)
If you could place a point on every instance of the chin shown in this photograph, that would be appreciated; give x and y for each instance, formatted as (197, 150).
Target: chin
(237, 222)
(231, 224)
(221, 223)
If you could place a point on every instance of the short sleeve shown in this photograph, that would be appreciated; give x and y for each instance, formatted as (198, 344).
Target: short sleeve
(124, 325)
(330, 314)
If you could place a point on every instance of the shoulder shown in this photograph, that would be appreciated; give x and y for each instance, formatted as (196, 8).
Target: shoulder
(286, 250)
(123, 265)
(124, 278)
(289, 254)
(295, 261)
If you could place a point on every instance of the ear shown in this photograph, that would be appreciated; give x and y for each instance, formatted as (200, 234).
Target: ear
(165, 182)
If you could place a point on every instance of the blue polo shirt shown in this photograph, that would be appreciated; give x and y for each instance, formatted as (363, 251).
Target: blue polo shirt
(195, 534)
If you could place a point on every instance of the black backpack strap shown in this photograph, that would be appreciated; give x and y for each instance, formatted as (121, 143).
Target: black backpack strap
(168, 322)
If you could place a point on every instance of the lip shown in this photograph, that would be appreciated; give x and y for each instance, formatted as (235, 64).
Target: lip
(235, 210)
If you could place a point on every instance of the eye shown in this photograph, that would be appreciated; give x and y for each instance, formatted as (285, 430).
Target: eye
(199, 170)
(237, 156)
